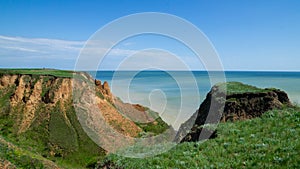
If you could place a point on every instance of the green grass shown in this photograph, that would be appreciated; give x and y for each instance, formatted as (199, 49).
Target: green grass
(238, 87)
(271, 141)
(20, 158)
(153, 128)
(61, 133)
(50, 130)
(88, 152)
(6, 123)
(64, 136)
(156, 129)
(49, 72)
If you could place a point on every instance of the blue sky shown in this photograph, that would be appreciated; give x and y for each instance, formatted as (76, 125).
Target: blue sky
(247, 34)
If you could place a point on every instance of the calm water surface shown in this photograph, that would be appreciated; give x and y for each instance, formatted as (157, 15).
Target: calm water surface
(177, 94)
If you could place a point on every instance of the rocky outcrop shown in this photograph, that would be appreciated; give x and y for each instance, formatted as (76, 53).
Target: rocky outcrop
(232, 105)
(104, 90)
(7, 80)
(250, 105)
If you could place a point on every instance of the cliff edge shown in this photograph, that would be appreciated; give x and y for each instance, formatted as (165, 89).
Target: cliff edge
(230, 101)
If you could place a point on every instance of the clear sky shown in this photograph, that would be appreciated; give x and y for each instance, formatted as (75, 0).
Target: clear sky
(247, 34)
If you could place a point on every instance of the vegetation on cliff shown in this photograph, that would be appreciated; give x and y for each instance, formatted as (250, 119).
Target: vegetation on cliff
(271, 141)
(230, 101)
(38, 118)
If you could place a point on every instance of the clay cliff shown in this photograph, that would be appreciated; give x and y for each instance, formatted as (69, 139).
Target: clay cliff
(37, 113)
(230, 101)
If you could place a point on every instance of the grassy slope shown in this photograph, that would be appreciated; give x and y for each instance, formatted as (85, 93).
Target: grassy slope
(271, 141)
(155, 128)
(74, 148)
(22, 158)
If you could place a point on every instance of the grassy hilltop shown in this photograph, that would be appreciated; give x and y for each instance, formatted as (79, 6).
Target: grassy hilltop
(45, 72)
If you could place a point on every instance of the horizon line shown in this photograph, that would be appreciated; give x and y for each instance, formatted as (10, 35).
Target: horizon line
(193, 70)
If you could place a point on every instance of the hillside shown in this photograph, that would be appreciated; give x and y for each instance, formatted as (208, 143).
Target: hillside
(259, 129)
(38, 122)
(270, 141)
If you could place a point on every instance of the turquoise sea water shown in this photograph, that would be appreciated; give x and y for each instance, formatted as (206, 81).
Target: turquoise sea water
(176, 95)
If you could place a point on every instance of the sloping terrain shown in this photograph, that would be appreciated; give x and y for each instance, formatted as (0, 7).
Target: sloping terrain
(37, 116)
(260, 129)
(269, 141)
(12, 156)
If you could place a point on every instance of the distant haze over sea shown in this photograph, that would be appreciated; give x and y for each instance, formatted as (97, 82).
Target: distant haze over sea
(160, 91)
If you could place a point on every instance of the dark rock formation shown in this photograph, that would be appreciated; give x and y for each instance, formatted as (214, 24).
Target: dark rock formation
(232, 106)
(251, 105)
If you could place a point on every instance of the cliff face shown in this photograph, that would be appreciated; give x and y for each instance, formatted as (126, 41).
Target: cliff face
(28, 93)
(38, 114)
(251, 105)
(240, 102)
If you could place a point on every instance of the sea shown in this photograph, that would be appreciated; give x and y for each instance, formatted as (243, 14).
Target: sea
(176, 95)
